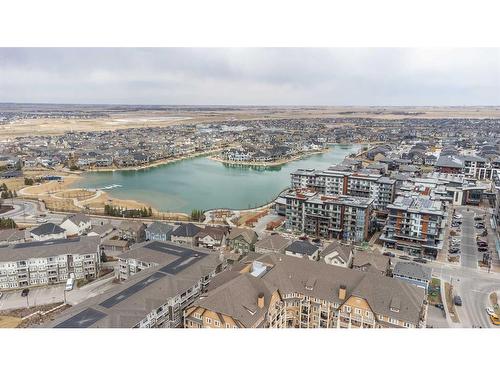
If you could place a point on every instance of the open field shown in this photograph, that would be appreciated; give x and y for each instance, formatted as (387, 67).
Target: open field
(116, 120)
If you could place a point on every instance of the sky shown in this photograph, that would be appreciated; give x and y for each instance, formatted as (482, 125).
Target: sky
(251, 76)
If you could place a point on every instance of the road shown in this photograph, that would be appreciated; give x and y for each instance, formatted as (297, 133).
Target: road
(473, 286)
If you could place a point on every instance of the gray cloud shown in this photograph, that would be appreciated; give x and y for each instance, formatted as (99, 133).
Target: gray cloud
(260, 76)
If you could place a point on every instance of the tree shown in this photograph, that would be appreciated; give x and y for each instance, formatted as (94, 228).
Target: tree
(7, 223)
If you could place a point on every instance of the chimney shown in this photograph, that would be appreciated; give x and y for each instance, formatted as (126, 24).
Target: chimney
(342, 292)
(260, 300)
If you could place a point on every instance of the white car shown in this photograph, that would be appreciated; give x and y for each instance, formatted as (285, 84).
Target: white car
(490, 311)
(457, 216)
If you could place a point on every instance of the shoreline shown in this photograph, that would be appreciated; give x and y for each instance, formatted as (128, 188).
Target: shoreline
(155, 164)
(270, 163)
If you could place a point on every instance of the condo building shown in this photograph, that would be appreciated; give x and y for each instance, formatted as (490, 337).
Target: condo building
(416, 225)
(328, 216)
(280, 291)
(48, 262)
(358, 184)
(154, 297)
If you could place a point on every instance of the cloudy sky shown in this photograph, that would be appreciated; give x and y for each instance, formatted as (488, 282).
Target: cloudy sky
(260, 76)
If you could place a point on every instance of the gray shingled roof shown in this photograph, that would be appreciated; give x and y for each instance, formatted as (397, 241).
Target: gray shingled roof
(302, 247)
(411, 269)
(47, 229)
(186, 230)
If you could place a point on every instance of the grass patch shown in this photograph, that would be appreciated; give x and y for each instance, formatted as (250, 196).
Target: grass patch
(448, 291)
(494, 303)
(434, 295)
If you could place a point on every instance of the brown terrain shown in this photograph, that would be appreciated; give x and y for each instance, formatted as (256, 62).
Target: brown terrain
(156, 118)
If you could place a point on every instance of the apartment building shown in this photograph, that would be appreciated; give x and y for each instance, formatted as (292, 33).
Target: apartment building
(337, 182)
(328, 216)
(307, 294)
(243, 302)
(48, 262)
(415, 225)
(154, 297)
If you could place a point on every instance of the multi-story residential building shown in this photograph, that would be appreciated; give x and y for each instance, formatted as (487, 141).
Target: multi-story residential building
(339, 182)
(415, 225)
(47, 231)
(328, 216)
(155, 297)
(49, 262)
(243, 302)
(300, 293)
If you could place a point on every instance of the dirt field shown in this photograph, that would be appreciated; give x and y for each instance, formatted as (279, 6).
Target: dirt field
(9, 321)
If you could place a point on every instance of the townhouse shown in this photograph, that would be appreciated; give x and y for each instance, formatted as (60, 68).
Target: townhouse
(49, 262)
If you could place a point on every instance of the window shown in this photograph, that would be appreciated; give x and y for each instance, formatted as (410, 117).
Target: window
(357, 311)
(228, 325)
(347, 309)
(217, 323)
(208, 320)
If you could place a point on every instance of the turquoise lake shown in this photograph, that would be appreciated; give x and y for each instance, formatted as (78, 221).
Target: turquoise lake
(201, 183)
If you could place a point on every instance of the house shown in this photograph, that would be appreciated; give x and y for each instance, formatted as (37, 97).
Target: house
(275, 243)
(212, 237)
(47, 231)
(413, 273)
(76, 224)
(302, 249)
(12, 236)
(242, 240)
(112, 246)
(132, 231)
(338, 254)
(158, 231)
(100, 230)
(185, 234)
(371, 262)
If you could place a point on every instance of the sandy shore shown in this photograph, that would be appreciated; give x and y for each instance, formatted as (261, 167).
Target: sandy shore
(60, 196)
(271, 163)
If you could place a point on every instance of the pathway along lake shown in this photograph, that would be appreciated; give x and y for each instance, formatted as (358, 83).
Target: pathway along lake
(201, 183)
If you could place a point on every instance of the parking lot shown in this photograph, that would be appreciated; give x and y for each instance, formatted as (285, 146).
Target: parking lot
(55, 293)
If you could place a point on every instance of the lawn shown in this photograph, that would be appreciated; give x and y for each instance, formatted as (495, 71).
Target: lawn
(434, 295)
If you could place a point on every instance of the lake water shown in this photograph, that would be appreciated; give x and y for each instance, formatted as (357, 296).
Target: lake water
(201, 183)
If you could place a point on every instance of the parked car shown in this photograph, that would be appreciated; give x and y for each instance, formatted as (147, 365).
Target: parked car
(478, 218)
(479, 226)
(482, 249)
(495, 320)
(481, 243)
(457, 301)
(420, 260)
(439, 306)
(389, 254)
(25, 292)
(404, 257)
(454, 251)
(490, 311)
(457, 216)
